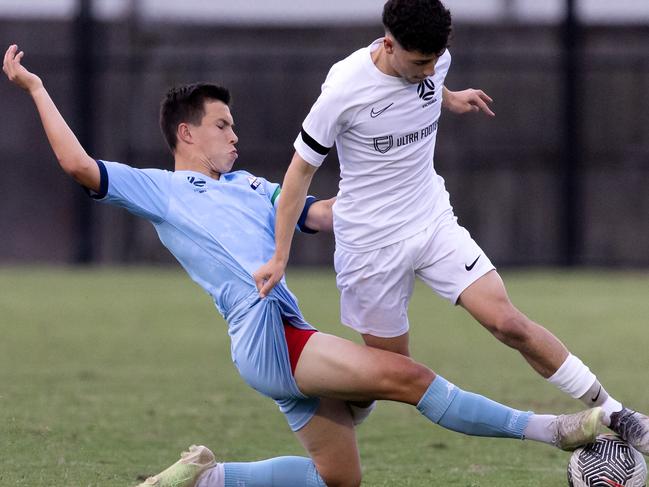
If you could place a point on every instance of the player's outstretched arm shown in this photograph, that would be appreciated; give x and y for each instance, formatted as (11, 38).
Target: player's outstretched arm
(466, 101)
(294, 189)
(320, 216)
(71, 156)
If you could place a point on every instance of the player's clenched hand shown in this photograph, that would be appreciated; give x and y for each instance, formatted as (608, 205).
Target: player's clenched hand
(17, 73)
(268, 275)
(467, 101)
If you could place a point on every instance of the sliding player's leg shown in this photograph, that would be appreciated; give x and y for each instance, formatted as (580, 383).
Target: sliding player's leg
(330, 366)
(328, 438)
(330, 442)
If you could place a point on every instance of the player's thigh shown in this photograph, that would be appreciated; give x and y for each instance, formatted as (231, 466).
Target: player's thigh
(375, 288)
(331, 442)
(449, 260)
(330, 366)
(486, 299)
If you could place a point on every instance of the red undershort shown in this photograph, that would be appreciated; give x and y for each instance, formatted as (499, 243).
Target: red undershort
(296, 339)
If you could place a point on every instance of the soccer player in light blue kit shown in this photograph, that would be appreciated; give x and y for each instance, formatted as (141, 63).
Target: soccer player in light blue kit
(220, 227)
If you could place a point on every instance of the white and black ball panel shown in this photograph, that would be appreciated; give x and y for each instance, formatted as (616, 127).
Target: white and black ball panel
(609, 462)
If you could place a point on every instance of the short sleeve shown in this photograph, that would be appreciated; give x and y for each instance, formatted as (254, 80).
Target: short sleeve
(272, 190)
(259, 185)
(143, 192)
(323, 123)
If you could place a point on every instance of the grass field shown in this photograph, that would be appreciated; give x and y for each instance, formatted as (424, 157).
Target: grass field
(106, 375)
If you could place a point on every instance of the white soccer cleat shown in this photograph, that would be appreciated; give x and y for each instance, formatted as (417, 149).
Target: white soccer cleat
(632, 427)
(185, 472)
(575, 430)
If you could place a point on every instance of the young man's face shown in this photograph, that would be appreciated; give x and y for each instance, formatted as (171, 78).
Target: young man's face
(412, 66)
(215, 139)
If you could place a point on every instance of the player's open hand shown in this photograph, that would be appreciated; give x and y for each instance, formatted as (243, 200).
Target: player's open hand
(466, 101)
(17, 73)
(268, 275)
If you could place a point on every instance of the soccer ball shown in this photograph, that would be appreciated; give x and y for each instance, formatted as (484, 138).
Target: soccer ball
(609, 462)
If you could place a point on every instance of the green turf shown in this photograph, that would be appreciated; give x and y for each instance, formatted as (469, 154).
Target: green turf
(106, 375)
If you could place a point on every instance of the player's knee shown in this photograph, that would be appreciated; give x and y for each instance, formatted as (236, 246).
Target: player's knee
(512, 328)
(420, 377)
(409, 381)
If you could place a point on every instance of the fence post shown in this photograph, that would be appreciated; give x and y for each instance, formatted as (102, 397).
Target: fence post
(570, 178)
(84, 70)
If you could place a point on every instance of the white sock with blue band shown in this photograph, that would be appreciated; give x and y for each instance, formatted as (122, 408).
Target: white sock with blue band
(471, 414)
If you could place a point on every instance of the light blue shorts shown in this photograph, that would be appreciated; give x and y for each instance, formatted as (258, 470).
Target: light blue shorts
(260, 353)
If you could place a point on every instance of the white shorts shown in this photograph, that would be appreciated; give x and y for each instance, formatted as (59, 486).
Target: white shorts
(375, 286)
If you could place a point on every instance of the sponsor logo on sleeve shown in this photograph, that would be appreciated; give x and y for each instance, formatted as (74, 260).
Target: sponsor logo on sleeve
(470, 267)
(254, 182)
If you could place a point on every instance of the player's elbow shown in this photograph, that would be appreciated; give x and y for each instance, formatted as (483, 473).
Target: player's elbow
(83, 169)
(73, 167)
(320, 216)
(73, 164)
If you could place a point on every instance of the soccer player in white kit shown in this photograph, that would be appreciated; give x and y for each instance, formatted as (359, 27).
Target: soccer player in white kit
(393, 220)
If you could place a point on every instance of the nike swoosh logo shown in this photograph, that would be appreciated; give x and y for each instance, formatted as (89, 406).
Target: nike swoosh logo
(469, 267)
(375, 113)
(593, 399)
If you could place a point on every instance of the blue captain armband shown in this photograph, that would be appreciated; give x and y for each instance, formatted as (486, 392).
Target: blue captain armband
(301, 223)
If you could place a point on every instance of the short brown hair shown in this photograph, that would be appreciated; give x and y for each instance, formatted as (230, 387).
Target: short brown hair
(186, 104)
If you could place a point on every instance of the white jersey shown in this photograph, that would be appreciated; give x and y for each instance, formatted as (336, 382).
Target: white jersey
(384, 129)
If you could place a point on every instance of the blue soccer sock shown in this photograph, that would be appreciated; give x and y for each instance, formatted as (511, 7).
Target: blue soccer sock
(471, 414)
(275, 472)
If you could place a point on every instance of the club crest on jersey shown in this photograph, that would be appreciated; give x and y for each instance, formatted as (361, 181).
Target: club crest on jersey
(383, 144)
(198, 183)
(426, 90)
(254, 182)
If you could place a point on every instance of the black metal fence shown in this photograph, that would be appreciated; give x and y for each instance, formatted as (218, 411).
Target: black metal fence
(506, 176)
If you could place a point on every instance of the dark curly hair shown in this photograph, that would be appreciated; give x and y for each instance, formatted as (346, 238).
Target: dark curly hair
(186, 104)
(418, 25)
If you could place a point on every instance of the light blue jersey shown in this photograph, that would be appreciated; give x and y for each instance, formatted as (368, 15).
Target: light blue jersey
(221, 231)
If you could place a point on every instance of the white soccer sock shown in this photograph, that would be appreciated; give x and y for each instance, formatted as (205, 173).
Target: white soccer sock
(609, 407)
(540, 427)
(212, 477)
(596, 395)
(573, 377)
